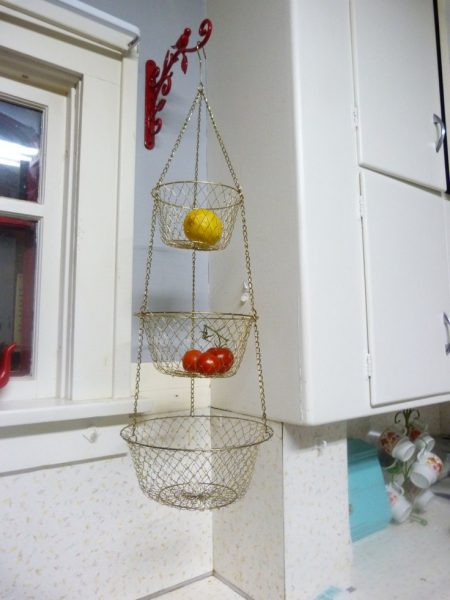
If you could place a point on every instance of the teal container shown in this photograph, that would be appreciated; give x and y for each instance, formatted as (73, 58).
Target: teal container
(368, 502)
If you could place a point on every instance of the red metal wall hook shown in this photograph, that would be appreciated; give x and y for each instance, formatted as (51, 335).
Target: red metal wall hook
(160, 82)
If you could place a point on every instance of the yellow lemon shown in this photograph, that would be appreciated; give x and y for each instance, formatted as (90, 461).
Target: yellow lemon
(203, 226)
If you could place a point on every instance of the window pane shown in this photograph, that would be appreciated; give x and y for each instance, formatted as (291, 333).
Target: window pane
(17, 266)
(20, 151)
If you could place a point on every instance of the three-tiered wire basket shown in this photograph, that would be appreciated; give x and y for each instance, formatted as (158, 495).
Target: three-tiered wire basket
(192, 461)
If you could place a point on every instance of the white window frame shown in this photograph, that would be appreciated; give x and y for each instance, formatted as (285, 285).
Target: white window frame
(96, 65)
(48, 214)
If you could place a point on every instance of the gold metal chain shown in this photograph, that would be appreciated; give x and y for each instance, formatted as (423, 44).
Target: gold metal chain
(194, 254)
(143, 309)
(200, 95)
(145, 299)
(247, 259)
(262, 394)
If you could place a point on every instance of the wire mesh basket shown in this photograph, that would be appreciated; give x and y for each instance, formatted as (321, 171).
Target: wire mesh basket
(196, 214)
(171, 334)
(195, 462)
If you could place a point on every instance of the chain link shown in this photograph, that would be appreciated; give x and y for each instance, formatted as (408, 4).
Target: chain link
(262, 394)
(192, 410)
(144, 305)
(221, 144)
(143, 309)
(198, 96)
(194, 254)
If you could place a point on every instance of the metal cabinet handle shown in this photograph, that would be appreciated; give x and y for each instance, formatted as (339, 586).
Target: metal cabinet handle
(440, 123)
(447, 325)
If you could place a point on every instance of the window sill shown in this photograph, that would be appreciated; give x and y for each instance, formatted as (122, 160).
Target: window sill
(50, 410)
(159, 393)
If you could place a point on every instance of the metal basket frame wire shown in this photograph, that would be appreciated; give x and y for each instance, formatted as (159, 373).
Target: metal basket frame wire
(212, 476)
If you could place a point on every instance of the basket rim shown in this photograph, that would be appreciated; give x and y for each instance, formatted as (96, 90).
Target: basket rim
(176, 181)
(154, 192)
(268, 433)
(196, 315)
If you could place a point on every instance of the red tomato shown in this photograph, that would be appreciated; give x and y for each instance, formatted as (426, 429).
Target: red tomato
(225, 356)
(190, 360)
(208, 364)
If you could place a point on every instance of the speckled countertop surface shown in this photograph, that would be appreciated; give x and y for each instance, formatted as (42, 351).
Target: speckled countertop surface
(402, 562)
(406, 562)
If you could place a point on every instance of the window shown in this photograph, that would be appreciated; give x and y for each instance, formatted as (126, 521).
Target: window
(68, 92)
(32, 192)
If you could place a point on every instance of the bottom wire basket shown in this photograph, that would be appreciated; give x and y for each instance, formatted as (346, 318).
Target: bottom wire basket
(195, 462)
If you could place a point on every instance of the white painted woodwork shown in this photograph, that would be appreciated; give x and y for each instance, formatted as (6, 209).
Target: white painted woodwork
(76, 20)
(287, 121)
(407, 280)
(47, 445)
(95, 75)
(397, 89)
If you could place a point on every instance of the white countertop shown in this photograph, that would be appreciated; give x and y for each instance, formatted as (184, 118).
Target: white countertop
(406, 562)
(403, 562)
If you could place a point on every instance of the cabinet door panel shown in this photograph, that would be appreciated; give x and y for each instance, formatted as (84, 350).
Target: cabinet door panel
(407, 290)
(397, 89)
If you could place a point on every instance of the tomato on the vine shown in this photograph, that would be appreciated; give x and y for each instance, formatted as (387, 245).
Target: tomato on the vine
(225, 356)
(190, 360)
(208, 364)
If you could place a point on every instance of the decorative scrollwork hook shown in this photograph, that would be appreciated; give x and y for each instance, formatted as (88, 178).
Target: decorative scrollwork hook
(159, 82)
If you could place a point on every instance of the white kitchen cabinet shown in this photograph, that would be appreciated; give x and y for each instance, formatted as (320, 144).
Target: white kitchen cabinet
(331, 294)
(408, 293)
(397, 91)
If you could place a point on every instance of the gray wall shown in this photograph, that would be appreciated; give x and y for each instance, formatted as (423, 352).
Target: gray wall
(161, 22)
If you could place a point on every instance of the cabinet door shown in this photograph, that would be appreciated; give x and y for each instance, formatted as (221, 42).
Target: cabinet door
(407, 290)
(397, 89)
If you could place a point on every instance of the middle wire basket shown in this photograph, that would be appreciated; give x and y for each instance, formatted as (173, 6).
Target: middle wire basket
(170, 335)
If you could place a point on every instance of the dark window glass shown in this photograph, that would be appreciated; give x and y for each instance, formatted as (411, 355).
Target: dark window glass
(17, 274)
(20, 151)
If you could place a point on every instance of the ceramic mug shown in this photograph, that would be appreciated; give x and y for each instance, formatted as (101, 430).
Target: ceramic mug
(426, 470)
(418, 433)
(395, 442)
(400, 507)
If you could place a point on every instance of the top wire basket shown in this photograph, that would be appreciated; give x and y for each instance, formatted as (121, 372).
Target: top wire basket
(197, 215)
